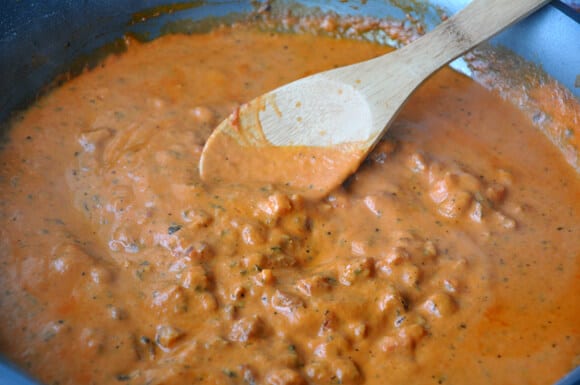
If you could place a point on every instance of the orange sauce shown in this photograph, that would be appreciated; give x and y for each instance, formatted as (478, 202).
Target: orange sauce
(450, 257)
(313, 168)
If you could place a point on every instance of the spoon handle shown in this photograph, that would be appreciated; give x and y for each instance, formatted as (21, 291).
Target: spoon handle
(477, 22)
(389, 80)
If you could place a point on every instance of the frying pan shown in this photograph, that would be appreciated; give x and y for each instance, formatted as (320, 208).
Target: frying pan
(40, 40)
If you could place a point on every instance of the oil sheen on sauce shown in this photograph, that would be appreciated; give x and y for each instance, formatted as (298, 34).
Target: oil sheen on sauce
(450, 257)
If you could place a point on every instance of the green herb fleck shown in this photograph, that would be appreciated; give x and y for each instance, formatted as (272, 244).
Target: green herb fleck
(123, 377)
(230, 373)
(173, 229)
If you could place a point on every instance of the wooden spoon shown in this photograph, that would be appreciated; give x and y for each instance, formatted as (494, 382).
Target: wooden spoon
(310, 135)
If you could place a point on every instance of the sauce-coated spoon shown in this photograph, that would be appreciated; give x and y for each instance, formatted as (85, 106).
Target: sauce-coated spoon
(310, 135)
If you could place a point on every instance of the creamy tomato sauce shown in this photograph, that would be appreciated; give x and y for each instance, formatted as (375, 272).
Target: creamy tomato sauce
(450, 257)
